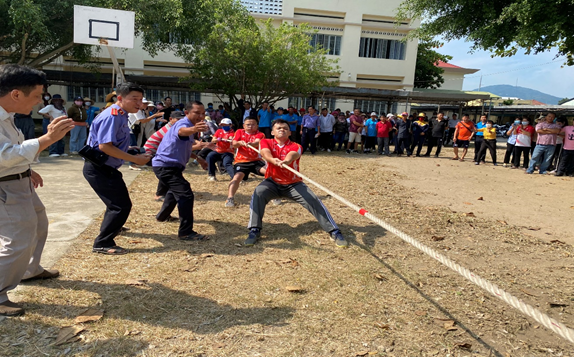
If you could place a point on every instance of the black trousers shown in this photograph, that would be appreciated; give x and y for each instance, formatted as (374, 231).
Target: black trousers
(418, 141)
(109, 185)
(566, 165)
(179, 194)
(404, 144)
(489, 144)
(519, 150)
(432, 143)
(450, 135)
(267, 132)
(308, 138)
(326, 140)
(478, 140)
(509, 153)
(370, 143)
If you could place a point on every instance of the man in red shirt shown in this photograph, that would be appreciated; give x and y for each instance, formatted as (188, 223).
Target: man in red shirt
(282, 183)
(356, 122)
(384, 126)
(223, 151)
(246, 160)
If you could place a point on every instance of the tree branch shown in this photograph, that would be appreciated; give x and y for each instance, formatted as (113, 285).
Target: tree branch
(23, 47)
(48, 57)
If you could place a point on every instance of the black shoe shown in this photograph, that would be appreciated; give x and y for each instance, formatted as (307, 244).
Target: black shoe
(253, 237)
(194, 237)
(348, 151)
(427, 155)
(559, 174)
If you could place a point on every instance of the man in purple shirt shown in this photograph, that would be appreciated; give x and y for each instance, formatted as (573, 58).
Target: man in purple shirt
(169, 162)
(309, 128)
(545, 144)
(110, 135)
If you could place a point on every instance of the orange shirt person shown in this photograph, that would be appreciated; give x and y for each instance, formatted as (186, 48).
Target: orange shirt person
(282, 183)
(462, 135)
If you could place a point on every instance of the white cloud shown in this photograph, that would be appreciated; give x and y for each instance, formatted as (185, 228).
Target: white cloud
(531, 71)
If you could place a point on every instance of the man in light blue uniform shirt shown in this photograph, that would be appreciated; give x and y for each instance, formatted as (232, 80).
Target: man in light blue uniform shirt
(264, 115)
(169, 162)
(479, 138)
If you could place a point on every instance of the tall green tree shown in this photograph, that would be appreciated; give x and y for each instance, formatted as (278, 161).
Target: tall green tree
(35, 32)
(427, 73)
(258, 60)
(500, 26)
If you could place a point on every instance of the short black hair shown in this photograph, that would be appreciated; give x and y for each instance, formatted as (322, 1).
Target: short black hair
(490, 121)
(166, 98)
(280, 121)
(265, 102)
(552, 114)
(251, 117)
(312, 107)
(325, 109)
(465, 115)
(190, 105)
(247, 102)
(208, 104)
(127, 87)
(25, 79)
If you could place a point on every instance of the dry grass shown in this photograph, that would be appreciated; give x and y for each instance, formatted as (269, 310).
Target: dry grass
(379, 297)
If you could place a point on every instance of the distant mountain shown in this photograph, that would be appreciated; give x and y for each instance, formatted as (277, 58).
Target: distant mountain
(505, 90)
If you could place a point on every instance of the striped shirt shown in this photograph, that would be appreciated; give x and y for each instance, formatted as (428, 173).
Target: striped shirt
(152, 143)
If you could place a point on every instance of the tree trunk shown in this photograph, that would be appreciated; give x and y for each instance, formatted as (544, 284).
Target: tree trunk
(48, 57)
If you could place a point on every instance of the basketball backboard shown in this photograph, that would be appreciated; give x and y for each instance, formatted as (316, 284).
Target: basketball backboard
(92, 24)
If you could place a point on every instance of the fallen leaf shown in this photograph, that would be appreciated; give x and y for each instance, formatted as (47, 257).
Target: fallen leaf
(437, 238)
(136, 282)
(68, 334)
(362, 353)
(534, 228)
(90, 315)
(557, 241)
(469, 214)
(420, 313)
(379, 277)
(437, 164)
(381, 326)
(294, 263)
(238, 245)
(206, 255)
(528, 293)
(294, 289)
(132, 333)
(503, 222)
(467, 203)
(464, 346)
(480, 198)
(449, 325)
(190, 269)
(555, 304)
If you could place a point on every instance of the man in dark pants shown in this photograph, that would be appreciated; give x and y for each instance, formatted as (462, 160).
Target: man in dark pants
(110, 134)
(169, 162)
(282, 183)
(478, 139)
(439, 125)
(309, 128)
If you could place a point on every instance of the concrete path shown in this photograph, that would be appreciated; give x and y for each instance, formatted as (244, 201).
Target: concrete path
(70, 202)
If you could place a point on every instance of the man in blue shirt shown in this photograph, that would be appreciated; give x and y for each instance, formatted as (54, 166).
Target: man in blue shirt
(371, 125)
(293, 120)
(265, 115)
(310, 126)
(169, 162)
(478, 139)
(280, 114)
(110, 135)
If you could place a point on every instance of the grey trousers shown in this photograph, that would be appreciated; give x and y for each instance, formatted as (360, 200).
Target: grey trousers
(383, 142)
(298, 192)
(23, 233)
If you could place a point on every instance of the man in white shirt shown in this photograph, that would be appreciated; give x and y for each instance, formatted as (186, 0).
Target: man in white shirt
(327, 121)
(451, 128)
(23, 220)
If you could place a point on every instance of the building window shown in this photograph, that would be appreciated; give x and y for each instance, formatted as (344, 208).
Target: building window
(377, 106)
(177, 97)
(381, 48)
(331, 43)
(272, 7)
(94, 93)
(318, 103)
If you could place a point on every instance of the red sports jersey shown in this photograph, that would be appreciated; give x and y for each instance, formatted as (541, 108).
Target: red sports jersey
(246, 154)
(278, 174)
(224, 146)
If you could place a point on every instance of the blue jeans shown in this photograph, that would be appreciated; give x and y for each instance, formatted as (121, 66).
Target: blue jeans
(214, 157)
(78, 138)
(57, 147)
(338, 138)
(542, 156)
(45, 123)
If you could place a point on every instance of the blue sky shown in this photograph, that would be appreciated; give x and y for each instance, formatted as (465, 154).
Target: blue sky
(532, 71)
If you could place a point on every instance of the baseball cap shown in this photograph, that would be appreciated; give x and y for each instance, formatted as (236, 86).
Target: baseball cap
(226, 121)
(422, 115)
(390, 115)
(78, 98)
(280, 108)
(373, 113)
(150, 104)
(404, 114)
(176, 114)
(302, 109)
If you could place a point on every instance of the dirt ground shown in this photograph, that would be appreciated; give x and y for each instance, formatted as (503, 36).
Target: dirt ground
(380, 297)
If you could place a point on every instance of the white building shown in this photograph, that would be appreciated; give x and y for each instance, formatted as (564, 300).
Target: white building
(362, 35)
(454, 75)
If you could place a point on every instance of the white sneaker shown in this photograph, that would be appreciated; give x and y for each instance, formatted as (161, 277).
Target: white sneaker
(230, 202)
(54, 155)
(328, 150)
(74, 153)
(211, 178)
(277, 202)
(135, 168)
(64, 155)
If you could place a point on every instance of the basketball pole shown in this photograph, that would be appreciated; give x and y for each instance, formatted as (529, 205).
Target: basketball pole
(119, 73)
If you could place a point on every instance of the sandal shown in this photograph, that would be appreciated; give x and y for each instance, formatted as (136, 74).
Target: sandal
(115, 250)
(194, 237)
(455, 158)
(461, 160)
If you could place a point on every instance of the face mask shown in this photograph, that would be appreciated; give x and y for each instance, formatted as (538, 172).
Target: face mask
(524, 123)
(88, 104)
(46, 98)
(489, 126)
(517, 122)
(225, 127)
(78, 103)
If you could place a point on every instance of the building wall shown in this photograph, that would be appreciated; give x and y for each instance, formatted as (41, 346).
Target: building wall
(453, 81)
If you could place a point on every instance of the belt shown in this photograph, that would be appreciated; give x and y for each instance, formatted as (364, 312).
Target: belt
(24, 174)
